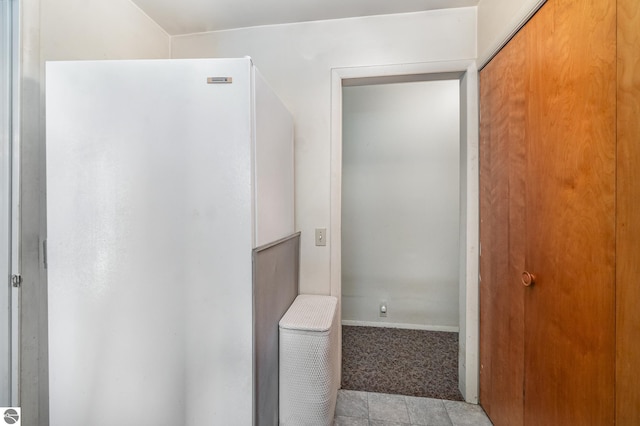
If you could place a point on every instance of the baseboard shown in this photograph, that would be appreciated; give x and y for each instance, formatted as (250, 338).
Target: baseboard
(448, 328)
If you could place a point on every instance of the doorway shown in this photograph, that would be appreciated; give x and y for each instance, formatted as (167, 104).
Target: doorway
(400, 237)
(400, 205)
(464, 74)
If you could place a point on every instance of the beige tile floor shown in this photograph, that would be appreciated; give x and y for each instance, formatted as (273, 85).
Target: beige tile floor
(355, 408)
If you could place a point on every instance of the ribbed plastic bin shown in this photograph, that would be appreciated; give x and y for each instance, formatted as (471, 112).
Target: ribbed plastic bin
(309, 362)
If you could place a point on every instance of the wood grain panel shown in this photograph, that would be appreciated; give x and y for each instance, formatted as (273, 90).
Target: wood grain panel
(502, 151)
(570, 311)
(487, 85)
(628, 216)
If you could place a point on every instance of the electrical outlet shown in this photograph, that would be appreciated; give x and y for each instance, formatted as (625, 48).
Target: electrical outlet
(383, 309)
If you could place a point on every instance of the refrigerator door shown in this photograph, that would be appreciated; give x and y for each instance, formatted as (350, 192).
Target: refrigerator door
(149, 217)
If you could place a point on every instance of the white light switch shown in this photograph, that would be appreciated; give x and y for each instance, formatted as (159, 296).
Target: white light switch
(321, 236)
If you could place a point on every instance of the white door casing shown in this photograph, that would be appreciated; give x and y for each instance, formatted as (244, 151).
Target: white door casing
(467, 73)
(9, 208)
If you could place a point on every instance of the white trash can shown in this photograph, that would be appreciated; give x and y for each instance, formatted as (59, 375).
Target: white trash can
(309, 363)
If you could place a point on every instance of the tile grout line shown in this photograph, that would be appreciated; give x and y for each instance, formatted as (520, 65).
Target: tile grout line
(446, 410)
(406, 408)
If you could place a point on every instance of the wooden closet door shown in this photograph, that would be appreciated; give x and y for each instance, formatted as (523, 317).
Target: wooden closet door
(502, 227)
(570, 214)
(548, 143)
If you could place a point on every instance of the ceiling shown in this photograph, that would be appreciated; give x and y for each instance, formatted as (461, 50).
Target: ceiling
(193, 16)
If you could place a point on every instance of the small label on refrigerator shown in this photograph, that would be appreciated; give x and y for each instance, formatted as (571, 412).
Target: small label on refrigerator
(219, 80)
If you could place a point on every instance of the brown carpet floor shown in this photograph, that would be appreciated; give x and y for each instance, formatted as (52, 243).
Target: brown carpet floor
(398, 361)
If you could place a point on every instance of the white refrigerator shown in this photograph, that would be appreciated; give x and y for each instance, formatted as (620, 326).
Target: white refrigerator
(165, 179)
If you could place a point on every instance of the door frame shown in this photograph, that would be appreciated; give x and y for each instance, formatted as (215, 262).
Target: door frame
(9, 201)
(467, 73)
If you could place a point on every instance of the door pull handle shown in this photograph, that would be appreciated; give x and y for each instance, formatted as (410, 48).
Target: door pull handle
(528, 279)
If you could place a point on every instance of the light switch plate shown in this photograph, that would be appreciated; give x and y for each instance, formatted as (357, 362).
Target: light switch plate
(321, 236)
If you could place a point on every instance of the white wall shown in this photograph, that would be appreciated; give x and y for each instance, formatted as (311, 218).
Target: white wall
(296, 60)
(59, 29)
(498, 21)
(94, 29)
(400, 204)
